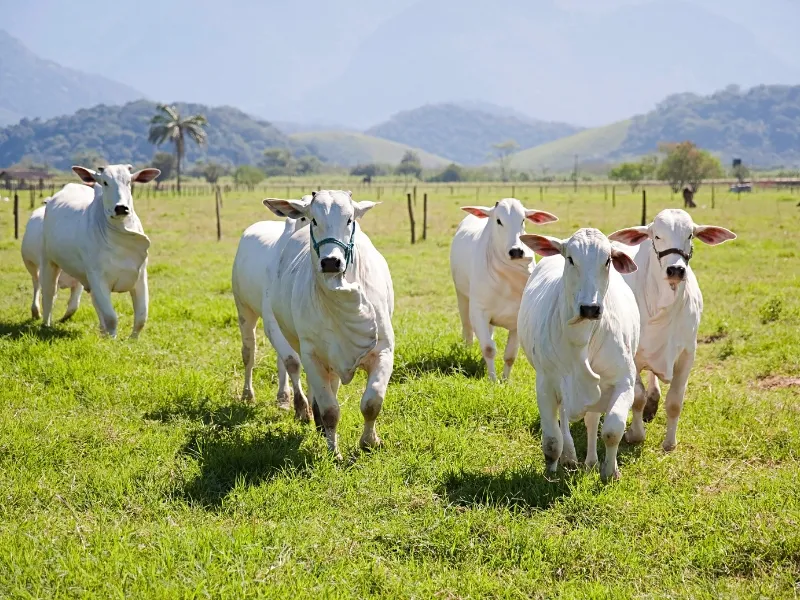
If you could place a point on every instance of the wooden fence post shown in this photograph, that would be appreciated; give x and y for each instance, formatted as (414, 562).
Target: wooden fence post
(425, 216)
(712, 196)
(644, 207)
(605, 192)
(33, 196)
(513, 189)
(541, 193)
(613, 196)
(218, 201)
(415, 196)
(16, 216)
(411, 218)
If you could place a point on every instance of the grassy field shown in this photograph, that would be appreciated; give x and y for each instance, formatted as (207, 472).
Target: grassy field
(132, 469)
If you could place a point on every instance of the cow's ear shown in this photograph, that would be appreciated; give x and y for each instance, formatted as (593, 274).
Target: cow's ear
(87, 175)
(482, 212)
(543, 245)
(362, 207)
(622, 262)
(145, 175)
(539, 216)
(293, 209)
(632, 236)
(713, 235)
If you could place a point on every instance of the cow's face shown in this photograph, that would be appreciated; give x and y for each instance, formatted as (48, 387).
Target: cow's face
(506, 224)
(671, 235)
(588, 259)
(331, 215)
(114, 183)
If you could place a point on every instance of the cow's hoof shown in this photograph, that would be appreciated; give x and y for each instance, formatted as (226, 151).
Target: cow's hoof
(284, 402)
(369, 444)
(608, 475)
(632, 437)
(669, 446)
(248, 395)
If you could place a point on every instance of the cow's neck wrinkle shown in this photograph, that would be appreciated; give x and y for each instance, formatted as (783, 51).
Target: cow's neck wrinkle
(512, 273)
(120, 235)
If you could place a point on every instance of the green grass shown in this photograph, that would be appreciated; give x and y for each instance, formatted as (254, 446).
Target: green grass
(590, 145)
(132, 469)
(350, 148)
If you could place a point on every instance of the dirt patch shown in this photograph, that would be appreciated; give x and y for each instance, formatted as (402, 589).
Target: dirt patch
(775, 382)
(714, 337)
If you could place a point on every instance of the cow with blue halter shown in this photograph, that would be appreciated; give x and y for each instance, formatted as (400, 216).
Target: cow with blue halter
(332, 298)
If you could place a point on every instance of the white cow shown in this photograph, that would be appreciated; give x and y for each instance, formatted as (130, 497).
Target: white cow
(257, 255)
(670, 305)
(490, 267)
(580, 328)
(333, 300)
(92, 232)
(32, 255)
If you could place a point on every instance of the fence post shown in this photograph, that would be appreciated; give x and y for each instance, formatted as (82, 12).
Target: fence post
(411, 218)
(33, 195)
(513, 190)
(415, 195)
(613, 196)
(644, 207)
(16, 216)
(541, 193)
(477, 193)
(379, 192)
(425, 216)
(218, 201)
(712, 196)
(605, 192)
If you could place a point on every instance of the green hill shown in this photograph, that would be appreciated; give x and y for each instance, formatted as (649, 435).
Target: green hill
(349, 149)
(465, 134)
(119, 134)
(591, 146)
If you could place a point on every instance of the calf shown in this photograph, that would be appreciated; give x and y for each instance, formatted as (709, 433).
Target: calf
(490, 267)
(92, 232)
(670, 305)
(333, 300)
(579, 328)
(32, 256)
(258, 253)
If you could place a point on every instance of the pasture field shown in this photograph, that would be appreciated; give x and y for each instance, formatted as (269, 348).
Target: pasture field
(132, 469)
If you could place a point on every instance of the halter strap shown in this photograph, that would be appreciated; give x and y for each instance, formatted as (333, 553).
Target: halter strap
(686, 256)
(347, 248)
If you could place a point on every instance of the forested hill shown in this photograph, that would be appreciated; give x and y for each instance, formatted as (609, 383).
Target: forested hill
(119, 134)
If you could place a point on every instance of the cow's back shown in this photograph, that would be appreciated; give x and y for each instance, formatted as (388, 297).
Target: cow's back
(538, 323)
(32, 238)
(65, 229)
(257, 248)
(469, 237)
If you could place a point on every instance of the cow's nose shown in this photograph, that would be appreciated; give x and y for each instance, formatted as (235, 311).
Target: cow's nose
(121, 209)
(331, 264)
(591, 311)
(516, 253)
(676, 272)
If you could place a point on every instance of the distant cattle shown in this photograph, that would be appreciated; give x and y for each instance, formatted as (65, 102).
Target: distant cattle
(688, 197)
(579, 328)
(490, 267)
(93, 233)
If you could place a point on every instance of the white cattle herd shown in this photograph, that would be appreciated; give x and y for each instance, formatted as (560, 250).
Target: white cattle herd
(593, 314)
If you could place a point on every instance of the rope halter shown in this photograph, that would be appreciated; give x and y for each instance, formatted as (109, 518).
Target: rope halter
(686, 256)
(347, 248)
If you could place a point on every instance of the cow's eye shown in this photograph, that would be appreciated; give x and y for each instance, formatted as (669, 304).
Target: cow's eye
(302, 218)
(569, 258)
(658, 238)
(349, 221)
(691, 236)
(499, 223)
(105, 183)
(608, 262)
(314, 222)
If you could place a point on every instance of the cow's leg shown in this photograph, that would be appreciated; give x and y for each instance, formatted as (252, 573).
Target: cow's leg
(101, 298)
(510, 355)
(48, 280)
(140, 298)
(569, 458)
(552, 439)
(33, 269)
(652, 397)
(591, 420)
(466, 325)
(485, 332)
(378, 374)
(247, 319)
(284, 390)
(291, 360)
(74, 301)
(674, 401)
(636, 433)
(620, 402)
(319, 380)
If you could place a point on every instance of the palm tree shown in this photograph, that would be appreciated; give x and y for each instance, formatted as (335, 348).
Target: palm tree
(168, 126)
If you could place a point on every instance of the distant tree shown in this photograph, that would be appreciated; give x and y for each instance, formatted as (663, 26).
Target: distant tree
(212, 171)
(248, 175)
(278, 161)
(634, 172)
(368, 170)
(165, 162)
(308, 165)
(741, 172)
(649, 166)
(89, 158)
(686, 164)
(168, 126)
(503, 151)
(450, 174)
(410, 165)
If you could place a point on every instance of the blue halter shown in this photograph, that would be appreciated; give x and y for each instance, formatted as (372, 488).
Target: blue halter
(347, 248)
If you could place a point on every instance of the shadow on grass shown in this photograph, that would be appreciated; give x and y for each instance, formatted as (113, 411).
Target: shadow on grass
(34, 328)
(456, 360)
(228, 458)
(227, 416)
